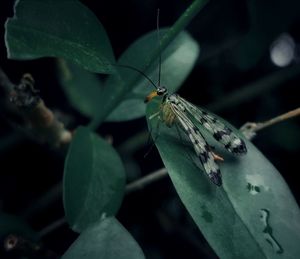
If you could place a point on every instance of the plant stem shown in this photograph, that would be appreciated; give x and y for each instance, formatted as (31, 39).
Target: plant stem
(146, 180)
(249, 129)
(52, 227)
(112, 101)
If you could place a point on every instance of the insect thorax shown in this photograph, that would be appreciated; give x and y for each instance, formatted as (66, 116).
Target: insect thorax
(168, 116)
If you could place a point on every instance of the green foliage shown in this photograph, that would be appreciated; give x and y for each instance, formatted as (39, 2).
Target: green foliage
(105, 239)
(253, 215)
(94, 180)
(84, 89)
(235, 218)
(64, 29)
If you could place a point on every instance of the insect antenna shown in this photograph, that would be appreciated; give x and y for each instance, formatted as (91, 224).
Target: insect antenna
(159, 46)
(139, 71)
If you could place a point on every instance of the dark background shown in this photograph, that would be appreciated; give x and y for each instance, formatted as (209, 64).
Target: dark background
(236, 39)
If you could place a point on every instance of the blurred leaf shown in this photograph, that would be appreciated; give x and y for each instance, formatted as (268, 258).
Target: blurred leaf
(94, 180)
(11, 224)
(106, 239)
(268, 20)
(112, 100)
(82, 88)
(66, 29)
(253, 215)
(178, 60)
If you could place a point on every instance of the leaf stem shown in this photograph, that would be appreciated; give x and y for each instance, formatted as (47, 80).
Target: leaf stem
(112, 100)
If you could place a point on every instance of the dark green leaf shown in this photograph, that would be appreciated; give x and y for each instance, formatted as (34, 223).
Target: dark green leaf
(94, 180)
(107, 239)
(52, 28)
(253, 215)
(82, 88)
(178, 60)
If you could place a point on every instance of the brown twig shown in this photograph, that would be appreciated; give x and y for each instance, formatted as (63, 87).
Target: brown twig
(41, 122)
(250, 129)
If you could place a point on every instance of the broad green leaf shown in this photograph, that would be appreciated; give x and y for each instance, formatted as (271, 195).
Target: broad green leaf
(82, 88)
(178, 59)
(52, 28)
(11, 224)
(252, 215)
(106, 239)
(94, 180)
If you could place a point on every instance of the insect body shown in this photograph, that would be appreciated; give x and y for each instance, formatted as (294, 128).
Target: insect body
(175, 109)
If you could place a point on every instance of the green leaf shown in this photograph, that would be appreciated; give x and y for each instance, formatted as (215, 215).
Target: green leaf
(52, 28)
(253, 215)
(11, 224)
(178, 59)
(94, 180)
(82, 88)
(107, 239)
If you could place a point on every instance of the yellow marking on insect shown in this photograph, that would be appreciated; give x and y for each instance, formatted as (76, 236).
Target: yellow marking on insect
(151, 96)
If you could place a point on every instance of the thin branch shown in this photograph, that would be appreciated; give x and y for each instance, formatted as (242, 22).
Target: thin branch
(146, 180)
(250, 129)
(52, 227)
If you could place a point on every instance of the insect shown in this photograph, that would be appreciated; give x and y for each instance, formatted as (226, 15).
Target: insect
(175, 109)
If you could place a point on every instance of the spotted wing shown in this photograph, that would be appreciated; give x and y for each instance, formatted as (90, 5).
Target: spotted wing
(219, 131)
(201, 147)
